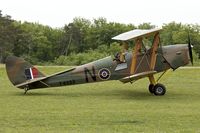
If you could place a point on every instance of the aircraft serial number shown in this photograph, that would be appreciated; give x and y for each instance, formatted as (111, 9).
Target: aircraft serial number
(69, 82)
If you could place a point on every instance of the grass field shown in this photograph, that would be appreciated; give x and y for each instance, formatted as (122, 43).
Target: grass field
(106, 107)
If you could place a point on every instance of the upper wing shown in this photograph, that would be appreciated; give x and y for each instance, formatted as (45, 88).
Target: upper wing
(135, 34)
(137, 76)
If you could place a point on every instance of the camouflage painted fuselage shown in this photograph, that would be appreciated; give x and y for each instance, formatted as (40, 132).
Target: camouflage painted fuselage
(172, 56)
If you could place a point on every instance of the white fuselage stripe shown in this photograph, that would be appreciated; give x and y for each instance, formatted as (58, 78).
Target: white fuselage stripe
(31, 73)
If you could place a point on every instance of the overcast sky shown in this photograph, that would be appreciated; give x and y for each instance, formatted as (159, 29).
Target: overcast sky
(56, 13)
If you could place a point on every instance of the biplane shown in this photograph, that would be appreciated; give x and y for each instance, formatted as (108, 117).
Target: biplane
(126, 66)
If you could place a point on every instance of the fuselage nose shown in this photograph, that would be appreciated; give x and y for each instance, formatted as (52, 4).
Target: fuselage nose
(176, 55)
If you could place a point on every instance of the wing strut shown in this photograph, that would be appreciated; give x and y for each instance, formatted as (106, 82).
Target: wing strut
(136, 51)
(155, 45)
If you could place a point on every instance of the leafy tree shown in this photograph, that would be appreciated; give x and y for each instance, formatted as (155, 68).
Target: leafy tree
(7, 36)
(77, 41)
(146, 26)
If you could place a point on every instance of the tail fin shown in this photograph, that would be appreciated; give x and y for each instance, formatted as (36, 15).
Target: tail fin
(20, 71)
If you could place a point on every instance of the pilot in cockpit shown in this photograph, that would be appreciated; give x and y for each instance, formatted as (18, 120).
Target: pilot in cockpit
(120, 57)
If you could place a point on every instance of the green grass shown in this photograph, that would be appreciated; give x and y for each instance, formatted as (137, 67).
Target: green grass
(103, 107)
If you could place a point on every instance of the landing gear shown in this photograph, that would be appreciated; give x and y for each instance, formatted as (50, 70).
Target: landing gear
(156, 88)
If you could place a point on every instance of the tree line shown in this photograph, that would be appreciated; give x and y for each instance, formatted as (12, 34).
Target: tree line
(80, 41)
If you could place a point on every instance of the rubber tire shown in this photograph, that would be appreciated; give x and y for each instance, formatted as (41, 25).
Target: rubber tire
(151, 88)
(159, 89)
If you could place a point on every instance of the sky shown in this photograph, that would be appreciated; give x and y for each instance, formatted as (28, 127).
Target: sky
(57, 13)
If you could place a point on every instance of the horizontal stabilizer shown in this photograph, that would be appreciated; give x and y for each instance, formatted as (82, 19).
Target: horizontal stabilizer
(39, 82)
(137, 76)
(29, 82)
(135, 34)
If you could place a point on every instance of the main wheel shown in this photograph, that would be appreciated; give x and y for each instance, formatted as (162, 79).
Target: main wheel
(159, 89)
(151, 88)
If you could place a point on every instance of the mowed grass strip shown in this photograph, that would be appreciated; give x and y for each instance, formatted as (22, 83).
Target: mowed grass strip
(105, 107)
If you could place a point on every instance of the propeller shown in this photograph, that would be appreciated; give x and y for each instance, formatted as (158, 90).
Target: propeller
(190, 48)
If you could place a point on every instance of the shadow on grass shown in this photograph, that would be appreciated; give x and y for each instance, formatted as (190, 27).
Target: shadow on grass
(112, 94)
(121, 122)
(106, 94)
(128, 122)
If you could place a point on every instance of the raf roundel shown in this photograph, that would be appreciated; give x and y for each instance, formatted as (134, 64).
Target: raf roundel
(104, 74)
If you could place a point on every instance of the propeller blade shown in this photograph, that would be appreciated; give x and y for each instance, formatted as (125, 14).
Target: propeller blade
(190, 49)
